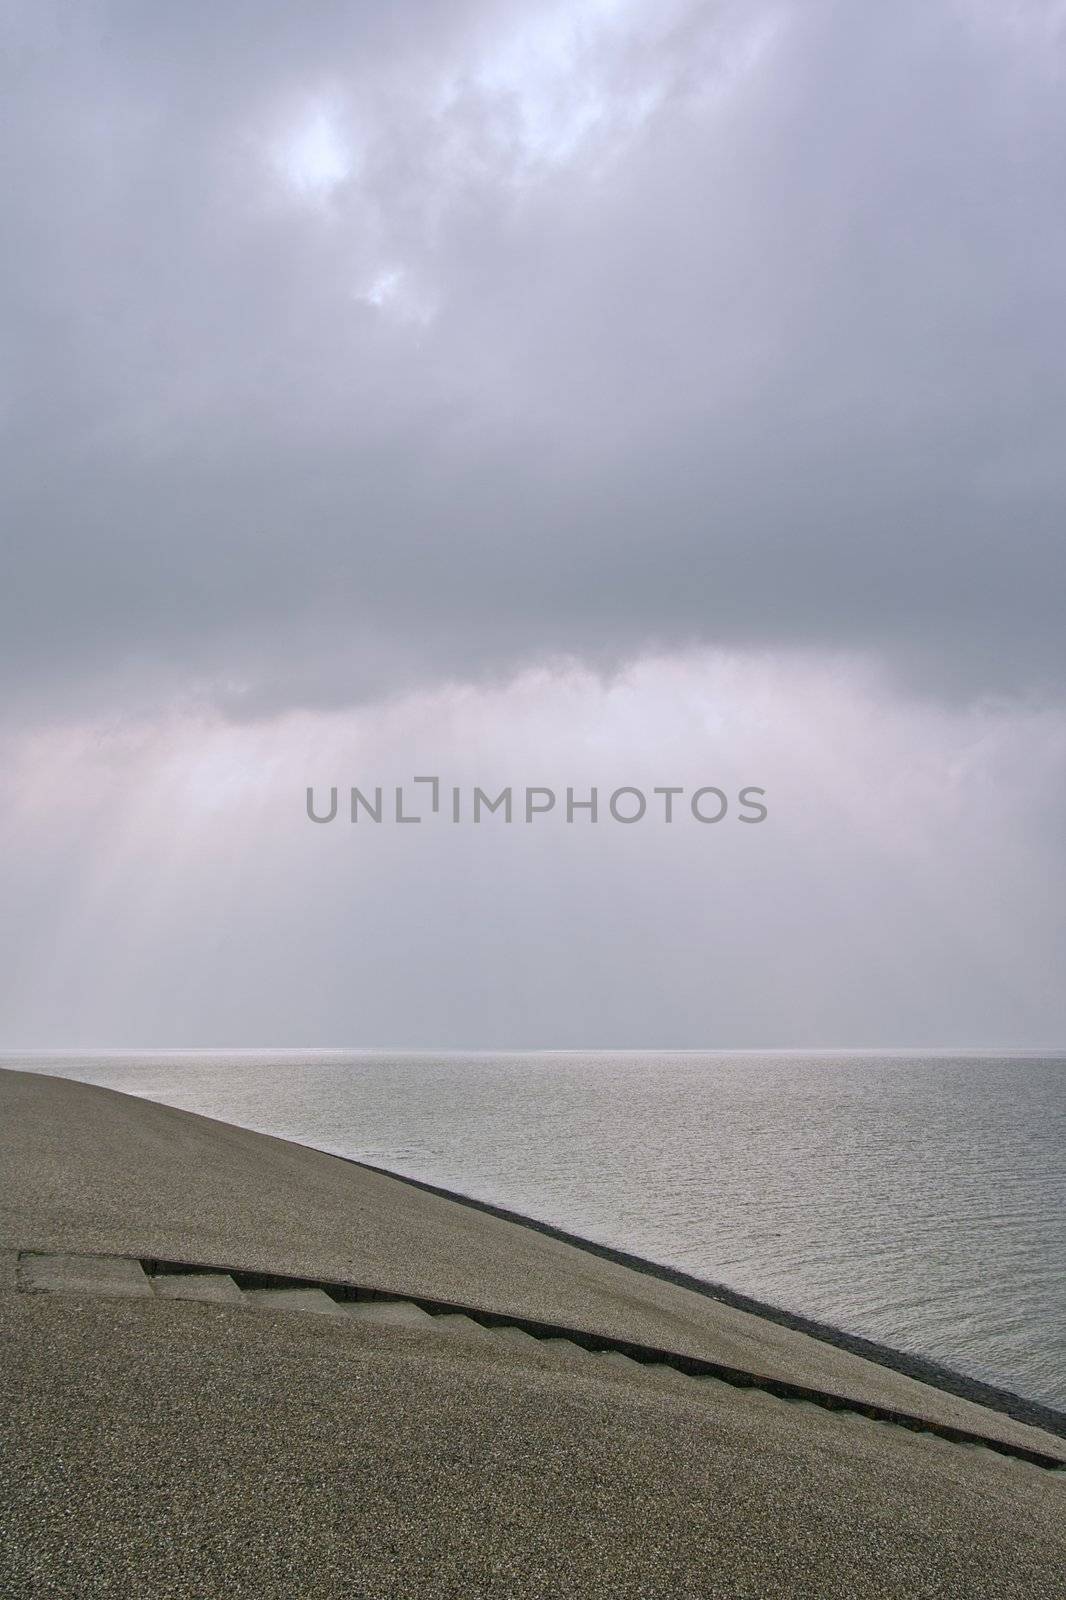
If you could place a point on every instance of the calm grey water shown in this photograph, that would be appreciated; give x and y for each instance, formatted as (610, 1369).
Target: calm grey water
(920, 1200)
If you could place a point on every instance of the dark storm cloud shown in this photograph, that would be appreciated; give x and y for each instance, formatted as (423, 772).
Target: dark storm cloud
(352, 346)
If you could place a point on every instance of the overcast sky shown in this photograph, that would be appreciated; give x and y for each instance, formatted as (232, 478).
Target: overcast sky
(595, 393)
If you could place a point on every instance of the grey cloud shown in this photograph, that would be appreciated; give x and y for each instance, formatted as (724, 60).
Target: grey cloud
(763, 354)
(164, 885)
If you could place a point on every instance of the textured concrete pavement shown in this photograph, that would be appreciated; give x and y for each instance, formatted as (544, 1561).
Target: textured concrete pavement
(163, 1446)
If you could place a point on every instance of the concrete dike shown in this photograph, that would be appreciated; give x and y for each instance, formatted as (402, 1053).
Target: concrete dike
(237, 1366)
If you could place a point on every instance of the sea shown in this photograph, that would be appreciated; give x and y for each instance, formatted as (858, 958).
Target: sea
(918, 1199)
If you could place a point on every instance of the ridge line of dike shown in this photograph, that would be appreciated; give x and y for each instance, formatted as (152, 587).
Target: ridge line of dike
(1033, 1413)
(785, 1389)
(922, 1369)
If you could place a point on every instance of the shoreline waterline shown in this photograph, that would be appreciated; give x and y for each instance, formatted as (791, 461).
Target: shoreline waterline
(823, 1199)
(923, 1370)
(579, 1423)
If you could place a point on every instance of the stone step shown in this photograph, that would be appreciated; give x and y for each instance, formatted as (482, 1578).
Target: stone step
(567, 1348)
(457, 1322)
(217, 1287)
(316, 1300)
(668, 1377)
(388, 1313)
(517, 1336)
(760, 1398)
(564, 1353)
(709, 1381)
(69, 1274)
(615, 1358)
